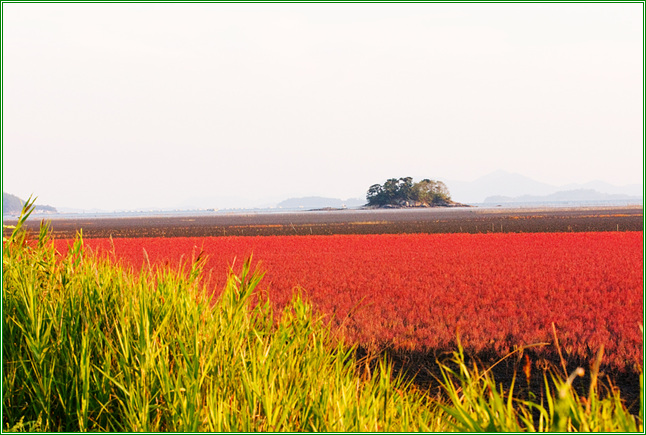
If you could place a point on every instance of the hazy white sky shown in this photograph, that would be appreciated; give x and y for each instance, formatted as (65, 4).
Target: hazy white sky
(122, 106)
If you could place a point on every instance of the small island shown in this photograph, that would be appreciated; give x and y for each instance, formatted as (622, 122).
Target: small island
(403, 193)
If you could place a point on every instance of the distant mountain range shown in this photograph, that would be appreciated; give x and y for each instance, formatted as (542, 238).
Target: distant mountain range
(513, 186)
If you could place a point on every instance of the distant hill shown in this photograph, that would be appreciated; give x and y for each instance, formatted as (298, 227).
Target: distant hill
(310, 202)
(12, 205)
(565, 195)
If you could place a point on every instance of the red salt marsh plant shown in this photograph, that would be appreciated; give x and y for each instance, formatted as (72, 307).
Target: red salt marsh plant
(414, 291)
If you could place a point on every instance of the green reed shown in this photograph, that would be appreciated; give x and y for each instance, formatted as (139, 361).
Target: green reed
(91, 345)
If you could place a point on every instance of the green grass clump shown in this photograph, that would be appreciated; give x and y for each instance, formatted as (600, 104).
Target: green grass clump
(89, 345)
(477, 404)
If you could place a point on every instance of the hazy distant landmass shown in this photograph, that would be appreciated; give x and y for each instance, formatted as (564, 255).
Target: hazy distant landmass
(11, 205)
(310, 202)
(506, 184)
(565, 195)
(497, 187)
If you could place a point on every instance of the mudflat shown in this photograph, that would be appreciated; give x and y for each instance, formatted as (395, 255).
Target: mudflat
(379, 221)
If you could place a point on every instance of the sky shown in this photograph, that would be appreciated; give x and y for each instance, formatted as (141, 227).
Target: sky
(127, 106)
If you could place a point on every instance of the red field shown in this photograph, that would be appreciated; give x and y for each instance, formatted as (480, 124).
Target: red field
(413, 291)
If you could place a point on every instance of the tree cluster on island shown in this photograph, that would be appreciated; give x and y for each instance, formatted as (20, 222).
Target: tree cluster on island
(403, 192)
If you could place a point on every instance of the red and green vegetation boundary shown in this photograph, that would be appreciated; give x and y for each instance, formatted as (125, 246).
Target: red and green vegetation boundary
(414, 292)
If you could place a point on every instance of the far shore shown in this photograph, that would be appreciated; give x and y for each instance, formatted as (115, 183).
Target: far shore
(346, 221)
(12, 217)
